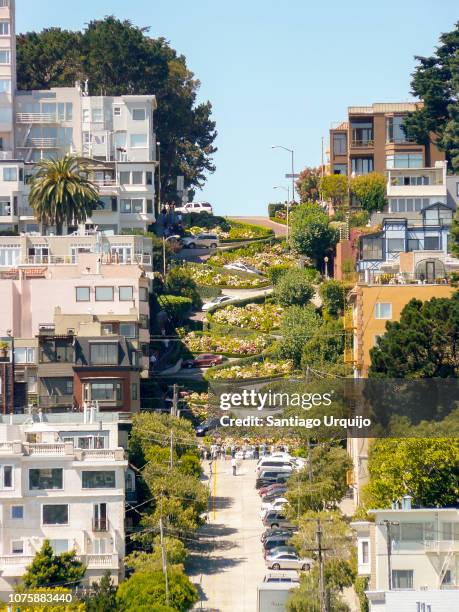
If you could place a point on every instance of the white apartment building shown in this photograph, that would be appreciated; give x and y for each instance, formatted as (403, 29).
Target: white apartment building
(422, 558)
(63, 478)
(115, 133)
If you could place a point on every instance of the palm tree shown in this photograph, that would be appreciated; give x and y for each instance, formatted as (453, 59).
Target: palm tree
(61, 192)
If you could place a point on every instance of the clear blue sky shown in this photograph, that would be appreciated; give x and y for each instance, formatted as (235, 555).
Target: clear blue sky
(275, 72)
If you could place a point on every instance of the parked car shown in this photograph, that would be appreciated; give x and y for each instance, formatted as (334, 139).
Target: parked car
(276, 532)
(275, 542)
(277, 504)
(279, 559)
(200, 241)
(270, 497)
(274, 463)
(216, 302)
(271, 488)
(286, 576)
(239, 266)
(274, 518)
(195, 207)
(207, 426)
(269, 476)
(205, 360)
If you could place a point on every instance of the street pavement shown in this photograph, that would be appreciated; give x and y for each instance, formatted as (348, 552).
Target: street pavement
(227, 564)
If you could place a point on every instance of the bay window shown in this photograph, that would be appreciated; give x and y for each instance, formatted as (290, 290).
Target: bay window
(103, 390)
(104, 353)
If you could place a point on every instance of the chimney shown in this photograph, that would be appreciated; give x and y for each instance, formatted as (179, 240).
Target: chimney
(406, 502)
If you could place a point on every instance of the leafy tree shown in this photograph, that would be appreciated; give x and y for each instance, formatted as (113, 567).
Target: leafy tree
(435, 82)
(334, 188)
(190, 465)
(333, 294)
(293, 288)
(338, 575)
(328, 484)
(370, 190)
(61, 192)
(326, 347)
(119, 58)
(102, 595)
(425, 468)
(312, 234)
(298, 325)
(423, 344)
(146, 591)
(75, 606)
(141, 561)
(179, 282)
(48, 569)
(308, 183)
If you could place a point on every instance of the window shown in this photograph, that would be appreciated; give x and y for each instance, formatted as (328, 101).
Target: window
(414, 244)
(104, 353)
(395, 245)
(100, 546)
(438, 216)
(339, 144)
(97, 115)
(103, 391)
(138, 114)
(340, 169)
(372, 248)
(86, 116)
(431, 243)
(125, 178)
(364, 551)
(404, 160)
(45, 478)
(101, 479)
(55, 514)
(4, 28)
(5, 85)
(83, 294)
(134, 391)
(383, 311)
(106, 329)
(149, 179)
(450, 531)
(137, 178)
(104, 294)
(143, 321)
(117, 111)
(131, 206)
(17, 547)
(394, 130)
(59, 546)
(17, 512)
(126, 294)
(10, 174)
(10, 256)
(128, 330)
(143, 294)
(24, 355)
(138, 141)
(4, 2)
(5, 56)
(6, 476)
(402, 579)
(362, 165)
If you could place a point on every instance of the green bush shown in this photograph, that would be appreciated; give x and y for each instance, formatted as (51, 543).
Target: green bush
(180, 282)
(274, 208)
(276, 272)
(293, 288)
(299, 324)
(177, 307)
(207, 293)
(333, 294)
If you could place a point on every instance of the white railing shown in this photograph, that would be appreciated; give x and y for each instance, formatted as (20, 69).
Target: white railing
(441, 546)
(41, 142)
(42, 448)
(102, 453)
(105, 182)
(93, 560)
(49, 259)
(6, 447)
(6, 560)
(6, 155)
(36, 117)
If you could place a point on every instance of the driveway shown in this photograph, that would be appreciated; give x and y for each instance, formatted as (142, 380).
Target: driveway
(227, 565)
(278, 228)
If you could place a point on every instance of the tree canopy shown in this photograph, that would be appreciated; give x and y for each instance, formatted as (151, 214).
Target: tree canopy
(334, 187)
(294, 288)
(118, 58)
(312, 234)
(49, 570)
(436, 82)
(423, 344)
(370, 190)
(308, 183)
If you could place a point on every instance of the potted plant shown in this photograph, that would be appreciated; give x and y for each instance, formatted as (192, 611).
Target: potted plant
(4, 346)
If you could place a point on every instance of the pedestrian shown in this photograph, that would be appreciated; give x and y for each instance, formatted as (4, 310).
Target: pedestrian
(256, 452)
(234, 465)
(233, 452)
(264, 450)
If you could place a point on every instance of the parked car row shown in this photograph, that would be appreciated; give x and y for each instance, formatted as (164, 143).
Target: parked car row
(273, 472)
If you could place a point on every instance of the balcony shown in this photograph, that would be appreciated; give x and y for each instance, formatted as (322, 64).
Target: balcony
(36, 118)
(41, 143)
(14, 565)
(5, 155)
(100, 524)
(362, 144)
(106, 182)
(54, 401)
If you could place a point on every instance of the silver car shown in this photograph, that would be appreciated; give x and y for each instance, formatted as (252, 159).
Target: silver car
(277, 560)
(210, 241)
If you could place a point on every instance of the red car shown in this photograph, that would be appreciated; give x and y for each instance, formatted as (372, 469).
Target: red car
(203, 361)
(271, 488)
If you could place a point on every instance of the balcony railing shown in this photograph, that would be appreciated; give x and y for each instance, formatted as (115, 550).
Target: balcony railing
(107, 182)
(49, 401)
(91, 560)
(362, 143)
(42, 143)
(6, 447)
(4, 155)
(100, 524)
(379, 277)
(36, 118)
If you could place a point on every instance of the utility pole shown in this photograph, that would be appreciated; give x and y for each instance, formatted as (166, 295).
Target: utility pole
(175, 399)
(323, 602)
(163, 550)
(388, 525)
(171, 455)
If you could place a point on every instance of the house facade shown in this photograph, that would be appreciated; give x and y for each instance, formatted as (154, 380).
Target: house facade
(63, 478)
(418, 551)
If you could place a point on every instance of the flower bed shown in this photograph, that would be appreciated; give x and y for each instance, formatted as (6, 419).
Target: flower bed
(229, 230)
(231, 346)
(263, 317)
(257, 369)
(204, 274)
(259, 258)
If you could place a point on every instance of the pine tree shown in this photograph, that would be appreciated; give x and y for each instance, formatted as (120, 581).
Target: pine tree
(49, 570)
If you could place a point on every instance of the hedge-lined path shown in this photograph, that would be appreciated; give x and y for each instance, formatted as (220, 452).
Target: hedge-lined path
(278, 228)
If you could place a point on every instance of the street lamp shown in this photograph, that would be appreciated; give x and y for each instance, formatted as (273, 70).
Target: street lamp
(158, 144)
(326, 267)
(287, 189)
(292, 153)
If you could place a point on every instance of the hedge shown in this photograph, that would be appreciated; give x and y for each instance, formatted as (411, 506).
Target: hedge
(176, 306)
(274, 208)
